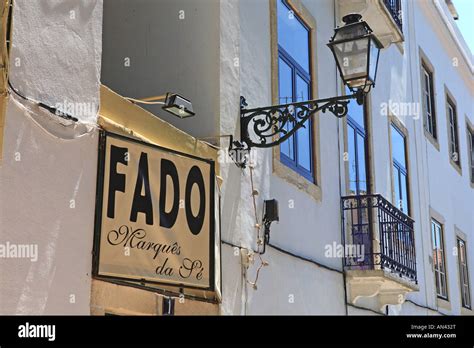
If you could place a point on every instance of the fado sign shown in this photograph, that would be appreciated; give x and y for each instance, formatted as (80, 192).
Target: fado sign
(155, 216)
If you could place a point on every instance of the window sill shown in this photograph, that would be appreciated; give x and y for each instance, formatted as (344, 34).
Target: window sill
(294, 178)
(455, 165)
(443, 303)
(466, 311)
(431, 139)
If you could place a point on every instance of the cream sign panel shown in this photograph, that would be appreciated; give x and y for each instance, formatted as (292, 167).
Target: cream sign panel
(156, 217)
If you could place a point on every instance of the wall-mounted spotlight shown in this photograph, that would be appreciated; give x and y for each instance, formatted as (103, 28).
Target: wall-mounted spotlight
(270, 214)
(178, 106)
(172, 102)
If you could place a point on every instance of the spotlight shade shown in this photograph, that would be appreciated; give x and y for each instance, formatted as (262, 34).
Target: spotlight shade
(178, 106)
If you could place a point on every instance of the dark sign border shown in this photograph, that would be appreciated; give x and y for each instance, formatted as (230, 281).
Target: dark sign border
(103, 134)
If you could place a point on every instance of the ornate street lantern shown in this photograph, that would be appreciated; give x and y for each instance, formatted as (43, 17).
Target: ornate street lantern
(356, 50)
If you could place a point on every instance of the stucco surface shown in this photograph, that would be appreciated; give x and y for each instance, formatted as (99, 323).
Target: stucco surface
(56, 54)
(47, 190)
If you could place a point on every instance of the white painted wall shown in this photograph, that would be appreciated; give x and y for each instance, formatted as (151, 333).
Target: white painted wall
(56, 52)
(288, 285)
(49, 167)
(307, 228)
(47, 191)
(434, 182)
(447, 192)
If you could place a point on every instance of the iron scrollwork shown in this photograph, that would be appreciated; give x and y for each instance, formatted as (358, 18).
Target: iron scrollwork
(270, 126)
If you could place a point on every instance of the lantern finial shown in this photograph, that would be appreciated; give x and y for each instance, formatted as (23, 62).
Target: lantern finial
(351, 18)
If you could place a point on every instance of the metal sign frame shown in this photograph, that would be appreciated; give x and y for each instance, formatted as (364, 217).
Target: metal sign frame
(103, 135)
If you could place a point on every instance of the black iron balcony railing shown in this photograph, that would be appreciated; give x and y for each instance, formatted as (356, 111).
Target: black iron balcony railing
(395, 9)
(377, 235)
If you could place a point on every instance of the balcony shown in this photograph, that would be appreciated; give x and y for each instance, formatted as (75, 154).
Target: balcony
(383, 16)
(394, 7)
(380, 257)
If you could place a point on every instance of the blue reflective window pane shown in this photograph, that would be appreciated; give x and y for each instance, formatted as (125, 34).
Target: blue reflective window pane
(285, 90)
(352, 160)
(285, 80)
(396, 184)
(302, 89)
(356, 111)
(398, 146)
(361, 165)
(303, 136)
(293, 35)
(287, 147)
(404, 193)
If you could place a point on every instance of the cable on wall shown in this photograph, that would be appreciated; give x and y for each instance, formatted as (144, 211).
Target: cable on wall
(51, 109)
(288, 253)
(258, 227)
(133, 100)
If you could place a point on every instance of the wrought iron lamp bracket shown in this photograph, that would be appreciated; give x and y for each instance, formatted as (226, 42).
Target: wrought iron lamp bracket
(270, 126)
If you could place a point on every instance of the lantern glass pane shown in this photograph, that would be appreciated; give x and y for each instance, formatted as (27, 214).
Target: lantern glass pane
(374, 55)
(352, 59)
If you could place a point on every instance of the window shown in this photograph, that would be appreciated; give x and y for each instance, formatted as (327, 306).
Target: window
(294, 79)
(400, 171)
(394, 7)
(439, 265)
(464, 274)
(428, 101)
(356, 149)
(470, 144)
(453, 133)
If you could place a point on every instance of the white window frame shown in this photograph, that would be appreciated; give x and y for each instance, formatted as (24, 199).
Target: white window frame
(440, 273)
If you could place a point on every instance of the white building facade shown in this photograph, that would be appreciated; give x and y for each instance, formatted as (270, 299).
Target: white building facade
(393, 182)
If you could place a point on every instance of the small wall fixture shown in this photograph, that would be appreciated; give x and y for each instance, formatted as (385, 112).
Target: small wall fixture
(178, 106)
(270, 214)
(356, 51)
(172, 102)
